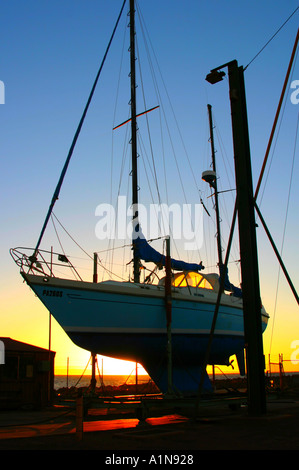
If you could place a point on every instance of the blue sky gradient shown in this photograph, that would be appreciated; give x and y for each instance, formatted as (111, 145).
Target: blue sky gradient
(50, 54)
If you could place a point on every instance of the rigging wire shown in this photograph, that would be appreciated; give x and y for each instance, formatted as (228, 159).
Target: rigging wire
(279, 127)
(144, 30)
(80, 247)
(70, 236)
(291, 62)
(229, 175)
(284, 229)
(154, 177)
(111, 260)
(70, 153)
(124, 265)
(206, 227)
(84, 371)
(76, 274)
(115, 108)
(148, 128)
(268, 42)
(158, 96)
(110, 251)
(170, 103)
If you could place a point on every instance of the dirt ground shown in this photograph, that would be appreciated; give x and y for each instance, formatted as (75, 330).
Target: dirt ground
(217, 428)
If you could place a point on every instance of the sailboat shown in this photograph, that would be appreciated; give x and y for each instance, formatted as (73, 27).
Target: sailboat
(166, 326)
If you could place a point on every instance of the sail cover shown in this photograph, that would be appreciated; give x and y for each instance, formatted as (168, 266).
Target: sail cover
(148, 254)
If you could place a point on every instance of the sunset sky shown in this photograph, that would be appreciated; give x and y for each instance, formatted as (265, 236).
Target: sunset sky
(50, 54)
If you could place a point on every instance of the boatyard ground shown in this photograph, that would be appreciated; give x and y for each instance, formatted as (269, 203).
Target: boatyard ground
(216, 428)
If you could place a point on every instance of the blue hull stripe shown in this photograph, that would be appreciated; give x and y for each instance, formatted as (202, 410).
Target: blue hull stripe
(133, 327)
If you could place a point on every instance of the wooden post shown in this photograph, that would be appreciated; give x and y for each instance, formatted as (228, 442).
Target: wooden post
(50, 362)
(95, 267)
(67, 372)
(280, 360)
(102, 371)
(168, 314)
(245, 204)
(79, 416)
(93, 380)
(248, 243)
(213, 366)
(51, 262)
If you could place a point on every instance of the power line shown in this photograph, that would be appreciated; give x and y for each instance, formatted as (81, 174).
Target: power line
(275, 34)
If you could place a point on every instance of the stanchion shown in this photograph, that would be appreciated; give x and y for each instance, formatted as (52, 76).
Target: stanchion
(79, 416)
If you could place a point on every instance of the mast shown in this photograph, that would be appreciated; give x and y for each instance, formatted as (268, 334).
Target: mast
(134, 137)
(220, 262)
(211, 178)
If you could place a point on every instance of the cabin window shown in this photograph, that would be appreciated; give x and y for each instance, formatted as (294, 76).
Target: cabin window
(191, 279)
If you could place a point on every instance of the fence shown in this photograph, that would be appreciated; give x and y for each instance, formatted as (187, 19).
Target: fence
(277, 375)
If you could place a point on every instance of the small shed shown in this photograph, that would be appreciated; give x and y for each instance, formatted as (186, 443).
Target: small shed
(26, 375)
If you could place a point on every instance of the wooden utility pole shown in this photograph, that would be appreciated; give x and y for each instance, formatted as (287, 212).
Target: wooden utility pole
(247, 238)
(248, 244)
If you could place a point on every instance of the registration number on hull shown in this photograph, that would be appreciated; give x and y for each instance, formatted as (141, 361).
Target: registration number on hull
(52, 293)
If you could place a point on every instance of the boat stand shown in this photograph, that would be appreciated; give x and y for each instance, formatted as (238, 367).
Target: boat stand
(142, 408)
